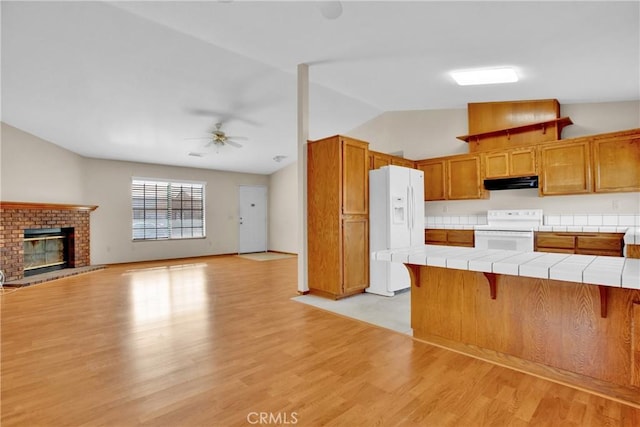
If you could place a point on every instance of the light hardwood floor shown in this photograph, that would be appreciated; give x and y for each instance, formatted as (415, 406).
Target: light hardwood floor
(217, 341)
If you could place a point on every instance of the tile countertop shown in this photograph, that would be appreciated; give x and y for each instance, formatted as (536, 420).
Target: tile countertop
(631, 234)
(588, 269)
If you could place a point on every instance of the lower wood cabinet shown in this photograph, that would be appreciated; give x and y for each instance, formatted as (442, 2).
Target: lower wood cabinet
(355, 253)
(606, 244)
(446, 237)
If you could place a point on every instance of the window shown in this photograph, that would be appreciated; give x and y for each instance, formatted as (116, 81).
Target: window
(167, 210)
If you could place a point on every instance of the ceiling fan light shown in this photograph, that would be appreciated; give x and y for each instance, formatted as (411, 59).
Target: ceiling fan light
(485, 76)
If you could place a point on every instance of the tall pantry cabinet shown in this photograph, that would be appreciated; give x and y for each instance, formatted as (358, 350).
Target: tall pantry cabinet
(338, 216)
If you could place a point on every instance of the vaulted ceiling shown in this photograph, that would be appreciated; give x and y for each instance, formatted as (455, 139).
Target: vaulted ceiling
(138, 80)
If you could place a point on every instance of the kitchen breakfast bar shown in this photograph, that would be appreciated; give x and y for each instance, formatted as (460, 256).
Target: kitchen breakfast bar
(573, 319)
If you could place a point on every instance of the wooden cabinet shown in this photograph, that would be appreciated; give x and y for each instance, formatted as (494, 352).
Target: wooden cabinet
(355, 249)
(435, 236)
(378, 160)
(464, 180)
(435, 178)
(602, 163)
(616, 163)
(355, 177)
(510, 163)
(509, 124)
(400, 161)
(452, 178)
(607, 244)
(565, 168)
(555, 242)
(337, 216)
(447, 237)
(460, 238)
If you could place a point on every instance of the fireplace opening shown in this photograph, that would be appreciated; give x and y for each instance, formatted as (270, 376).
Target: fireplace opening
(47, 249)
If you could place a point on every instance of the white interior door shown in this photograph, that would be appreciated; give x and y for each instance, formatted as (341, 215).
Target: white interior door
(253, 219)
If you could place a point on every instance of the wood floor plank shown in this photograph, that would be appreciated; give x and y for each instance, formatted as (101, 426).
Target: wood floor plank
(215, 341)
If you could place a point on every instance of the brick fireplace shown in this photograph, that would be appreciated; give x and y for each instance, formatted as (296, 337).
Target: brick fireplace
(18, 217)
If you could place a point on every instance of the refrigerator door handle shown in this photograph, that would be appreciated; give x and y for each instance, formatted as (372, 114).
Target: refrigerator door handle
(413, 208)
(410, 207)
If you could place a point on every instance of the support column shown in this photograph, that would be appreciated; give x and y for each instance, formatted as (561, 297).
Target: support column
(303, 136)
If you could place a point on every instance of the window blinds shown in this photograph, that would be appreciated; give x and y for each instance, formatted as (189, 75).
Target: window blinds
(167, 210)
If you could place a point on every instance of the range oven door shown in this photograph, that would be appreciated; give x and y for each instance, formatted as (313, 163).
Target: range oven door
(501, 239)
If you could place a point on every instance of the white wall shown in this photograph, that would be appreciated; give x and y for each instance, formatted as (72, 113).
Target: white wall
(33, 170)
(108, 185)
(283, 214)
(432, 133)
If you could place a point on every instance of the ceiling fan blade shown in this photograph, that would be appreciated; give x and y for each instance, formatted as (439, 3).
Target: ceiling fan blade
(202, 137)
(233, 144)
(242, 138)
(222, 117)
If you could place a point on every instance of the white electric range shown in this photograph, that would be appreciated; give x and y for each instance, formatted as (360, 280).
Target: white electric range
(508, 229)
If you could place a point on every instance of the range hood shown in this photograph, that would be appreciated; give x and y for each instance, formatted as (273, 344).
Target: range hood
(511, 183)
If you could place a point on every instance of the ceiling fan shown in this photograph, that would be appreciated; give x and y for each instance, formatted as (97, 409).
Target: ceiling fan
(219, 138)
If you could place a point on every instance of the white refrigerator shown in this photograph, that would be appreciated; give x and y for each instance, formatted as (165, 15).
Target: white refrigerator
(396, 220)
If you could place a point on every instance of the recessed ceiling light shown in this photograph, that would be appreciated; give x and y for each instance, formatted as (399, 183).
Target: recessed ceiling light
(485, 76)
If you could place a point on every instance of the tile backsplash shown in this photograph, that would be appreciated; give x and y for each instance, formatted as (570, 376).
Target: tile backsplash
(561, 222)
(455, 221)
(623, 220)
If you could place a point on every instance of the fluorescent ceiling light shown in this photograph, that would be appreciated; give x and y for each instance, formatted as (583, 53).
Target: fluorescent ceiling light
(485, 77)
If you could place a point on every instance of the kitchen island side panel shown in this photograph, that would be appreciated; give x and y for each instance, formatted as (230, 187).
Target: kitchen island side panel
(550, 322)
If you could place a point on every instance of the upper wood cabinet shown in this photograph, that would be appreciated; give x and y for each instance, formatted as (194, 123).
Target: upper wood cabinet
(565, 168)
(509, 124)
(464, 179)
(452, 178)
(355, 176)
(435, 178)
(378, 160)
(616, 163)
(604, 163)
(502, 164)
(400, 161)
(337, 216)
